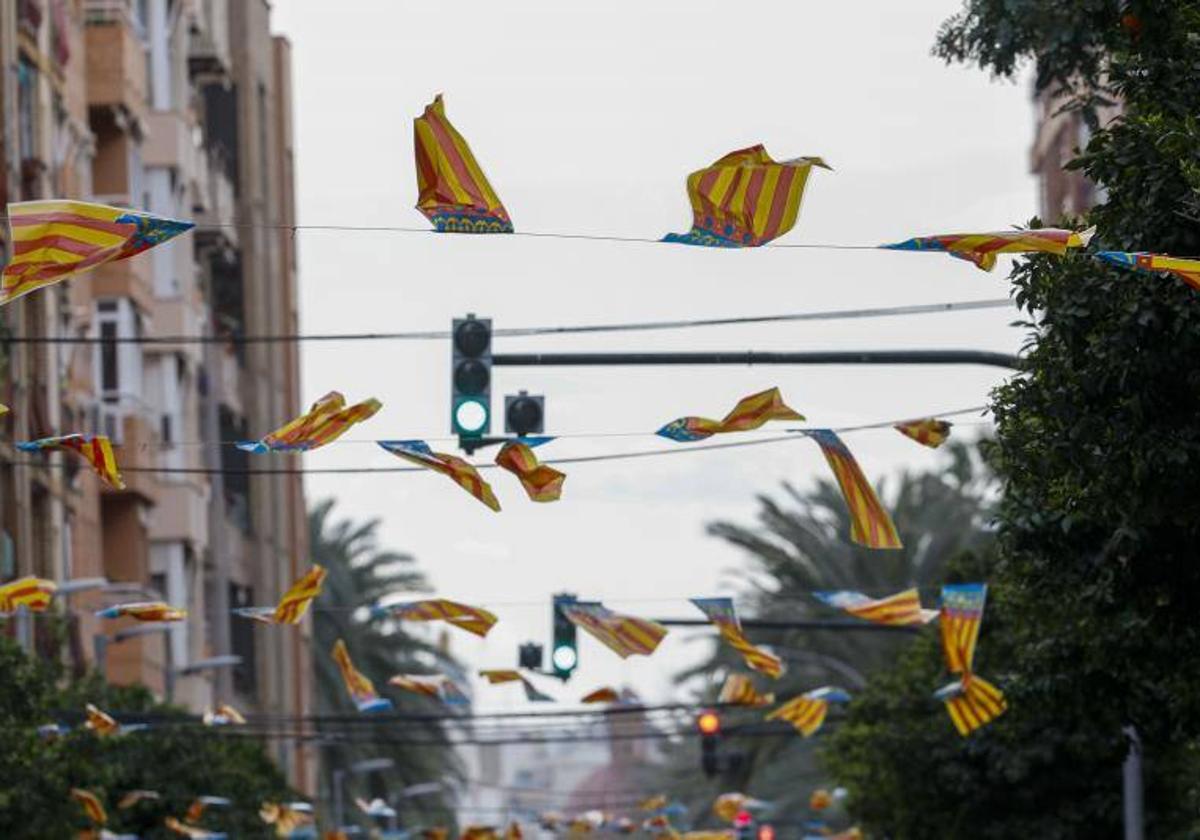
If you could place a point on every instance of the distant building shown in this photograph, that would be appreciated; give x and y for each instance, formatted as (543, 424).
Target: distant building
(181, 108)
(1058, 138)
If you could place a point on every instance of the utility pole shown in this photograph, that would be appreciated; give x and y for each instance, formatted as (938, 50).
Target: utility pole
(751, 357)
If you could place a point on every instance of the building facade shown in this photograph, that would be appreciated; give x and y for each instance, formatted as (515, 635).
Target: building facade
(181, 108)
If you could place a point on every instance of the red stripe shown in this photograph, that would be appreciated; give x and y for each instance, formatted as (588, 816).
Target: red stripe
(779, 202)
(64, 243)
(446, 143)
(31, 219)
(753, 191)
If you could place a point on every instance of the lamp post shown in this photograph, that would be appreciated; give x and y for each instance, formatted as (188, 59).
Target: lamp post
(100, 643)
(369, 765)
(228, 660)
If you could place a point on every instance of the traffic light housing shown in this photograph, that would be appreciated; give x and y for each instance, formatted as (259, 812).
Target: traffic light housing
(564, 651)
(524, 414)
(529, 656)
(709, 725)
(471, 376)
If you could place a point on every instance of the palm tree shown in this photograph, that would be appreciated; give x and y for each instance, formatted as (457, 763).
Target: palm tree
(360, 574)
(799, 545)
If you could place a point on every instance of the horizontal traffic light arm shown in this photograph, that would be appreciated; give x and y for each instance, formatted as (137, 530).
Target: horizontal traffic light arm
(752, 357)
(809, 624)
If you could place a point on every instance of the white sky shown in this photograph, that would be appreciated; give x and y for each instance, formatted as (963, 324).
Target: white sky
(587, 119)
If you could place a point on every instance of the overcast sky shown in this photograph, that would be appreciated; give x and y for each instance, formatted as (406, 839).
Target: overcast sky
(587, 119)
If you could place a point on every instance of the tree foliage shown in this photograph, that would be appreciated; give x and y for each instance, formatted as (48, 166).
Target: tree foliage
(181, 762)
(800, 546)
(1092, 627)
(360, 574)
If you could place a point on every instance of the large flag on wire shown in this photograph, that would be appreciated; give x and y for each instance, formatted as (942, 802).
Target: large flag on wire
(32, 593)
(461, 472)
(808, 711)
(721, 612)
(1186, 270)
(929, 432)
(294, 603)
(970, 700)
(900, 610)
(95, 449)
(472, 619)
(750, 413)
(870, 524)
(360, 688)
(52, 240)
(745, 199)
(542, 483)
(624, 635)
(982, 248)
(453, 192)
(327, 420)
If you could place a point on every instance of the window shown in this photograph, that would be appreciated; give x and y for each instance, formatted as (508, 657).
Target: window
(110, 380)
(27, 109)
(242, 642)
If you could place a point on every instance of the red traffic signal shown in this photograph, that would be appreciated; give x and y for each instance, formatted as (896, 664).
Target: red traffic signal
(743, 819)
(709, 723)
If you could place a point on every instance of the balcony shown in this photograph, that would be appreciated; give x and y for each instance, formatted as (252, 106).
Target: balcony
(208, 48)
(139, 448)
(181, 514)
(116, 57)
(213, 204)
(125, 278)
(168, 141)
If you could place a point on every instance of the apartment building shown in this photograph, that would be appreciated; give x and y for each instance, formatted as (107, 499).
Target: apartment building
(181, 108)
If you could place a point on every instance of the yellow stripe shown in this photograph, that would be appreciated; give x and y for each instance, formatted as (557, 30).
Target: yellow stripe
(792, 208)
(99, 212)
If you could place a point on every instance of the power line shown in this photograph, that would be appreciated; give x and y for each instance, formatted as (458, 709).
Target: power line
(518, 332)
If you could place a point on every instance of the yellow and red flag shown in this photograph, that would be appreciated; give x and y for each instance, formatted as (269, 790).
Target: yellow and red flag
(982, 248)
(624, 635)
(100, 722)
(739, 690)
(607, 694)
(899, 610)
(542, 483)
(294, 603)
(223, 715)
(52, 240)
(436, 686)
(95, 449)
(453, 192)
(91, 805)
(745, 199)
(808, 711)
(929, 432)
(456, 469)
(499, 676)
(472, 619)
(144, 611)
(133, 797)
(970, 700)
(361, 689)
(870, 524)
(721, 612)
(191, 831)
(327, 420)
(750, 413)
(286, 818)
(1186, 270)
(32, 593)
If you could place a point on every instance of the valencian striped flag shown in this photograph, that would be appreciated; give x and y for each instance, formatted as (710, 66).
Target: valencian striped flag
(32, 593)
(720, 612)
(91, 805)
(472, 619)
(1186, 270)
(739, 690)
(624, 635)
(435, 686)
(456, 469)
(870, 524)
(541, 482)
(360, 688)
(499, 676)
(971, 700)
(745, 199)
(326, 421)
(929, 432)
(607, 694)
(51, 240)
(900, 610)
(144, 611)
(808, 711)
(95, 449)
(982, 248)
(750, 413)
(100, 721)
(294, 603)
(453, 192)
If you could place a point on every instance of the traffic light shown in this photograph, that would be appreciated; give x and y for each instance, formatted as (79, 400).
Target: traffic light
(564, 652)
(524, 415)
(529, 656)
(743, 825)
(471, 376)
(709, 724)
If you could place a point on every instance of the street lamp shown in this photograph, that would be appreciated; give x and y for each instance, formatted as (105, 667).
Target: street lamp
(225, 660)
(367, 765)
(100, 643)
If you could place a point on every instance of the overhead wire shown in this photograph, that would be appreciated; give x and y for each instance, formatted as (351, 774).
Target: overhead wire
(521, 332)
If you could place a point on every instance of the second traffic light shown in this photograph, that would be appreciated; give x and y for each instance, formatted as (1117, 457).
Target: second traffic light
(471, 376)
(564, 649)
(709, 725)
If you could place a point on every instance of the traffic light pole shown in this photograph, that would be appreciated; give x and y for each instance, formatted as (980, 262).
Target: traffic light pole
(809, 624)
(751, 357)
